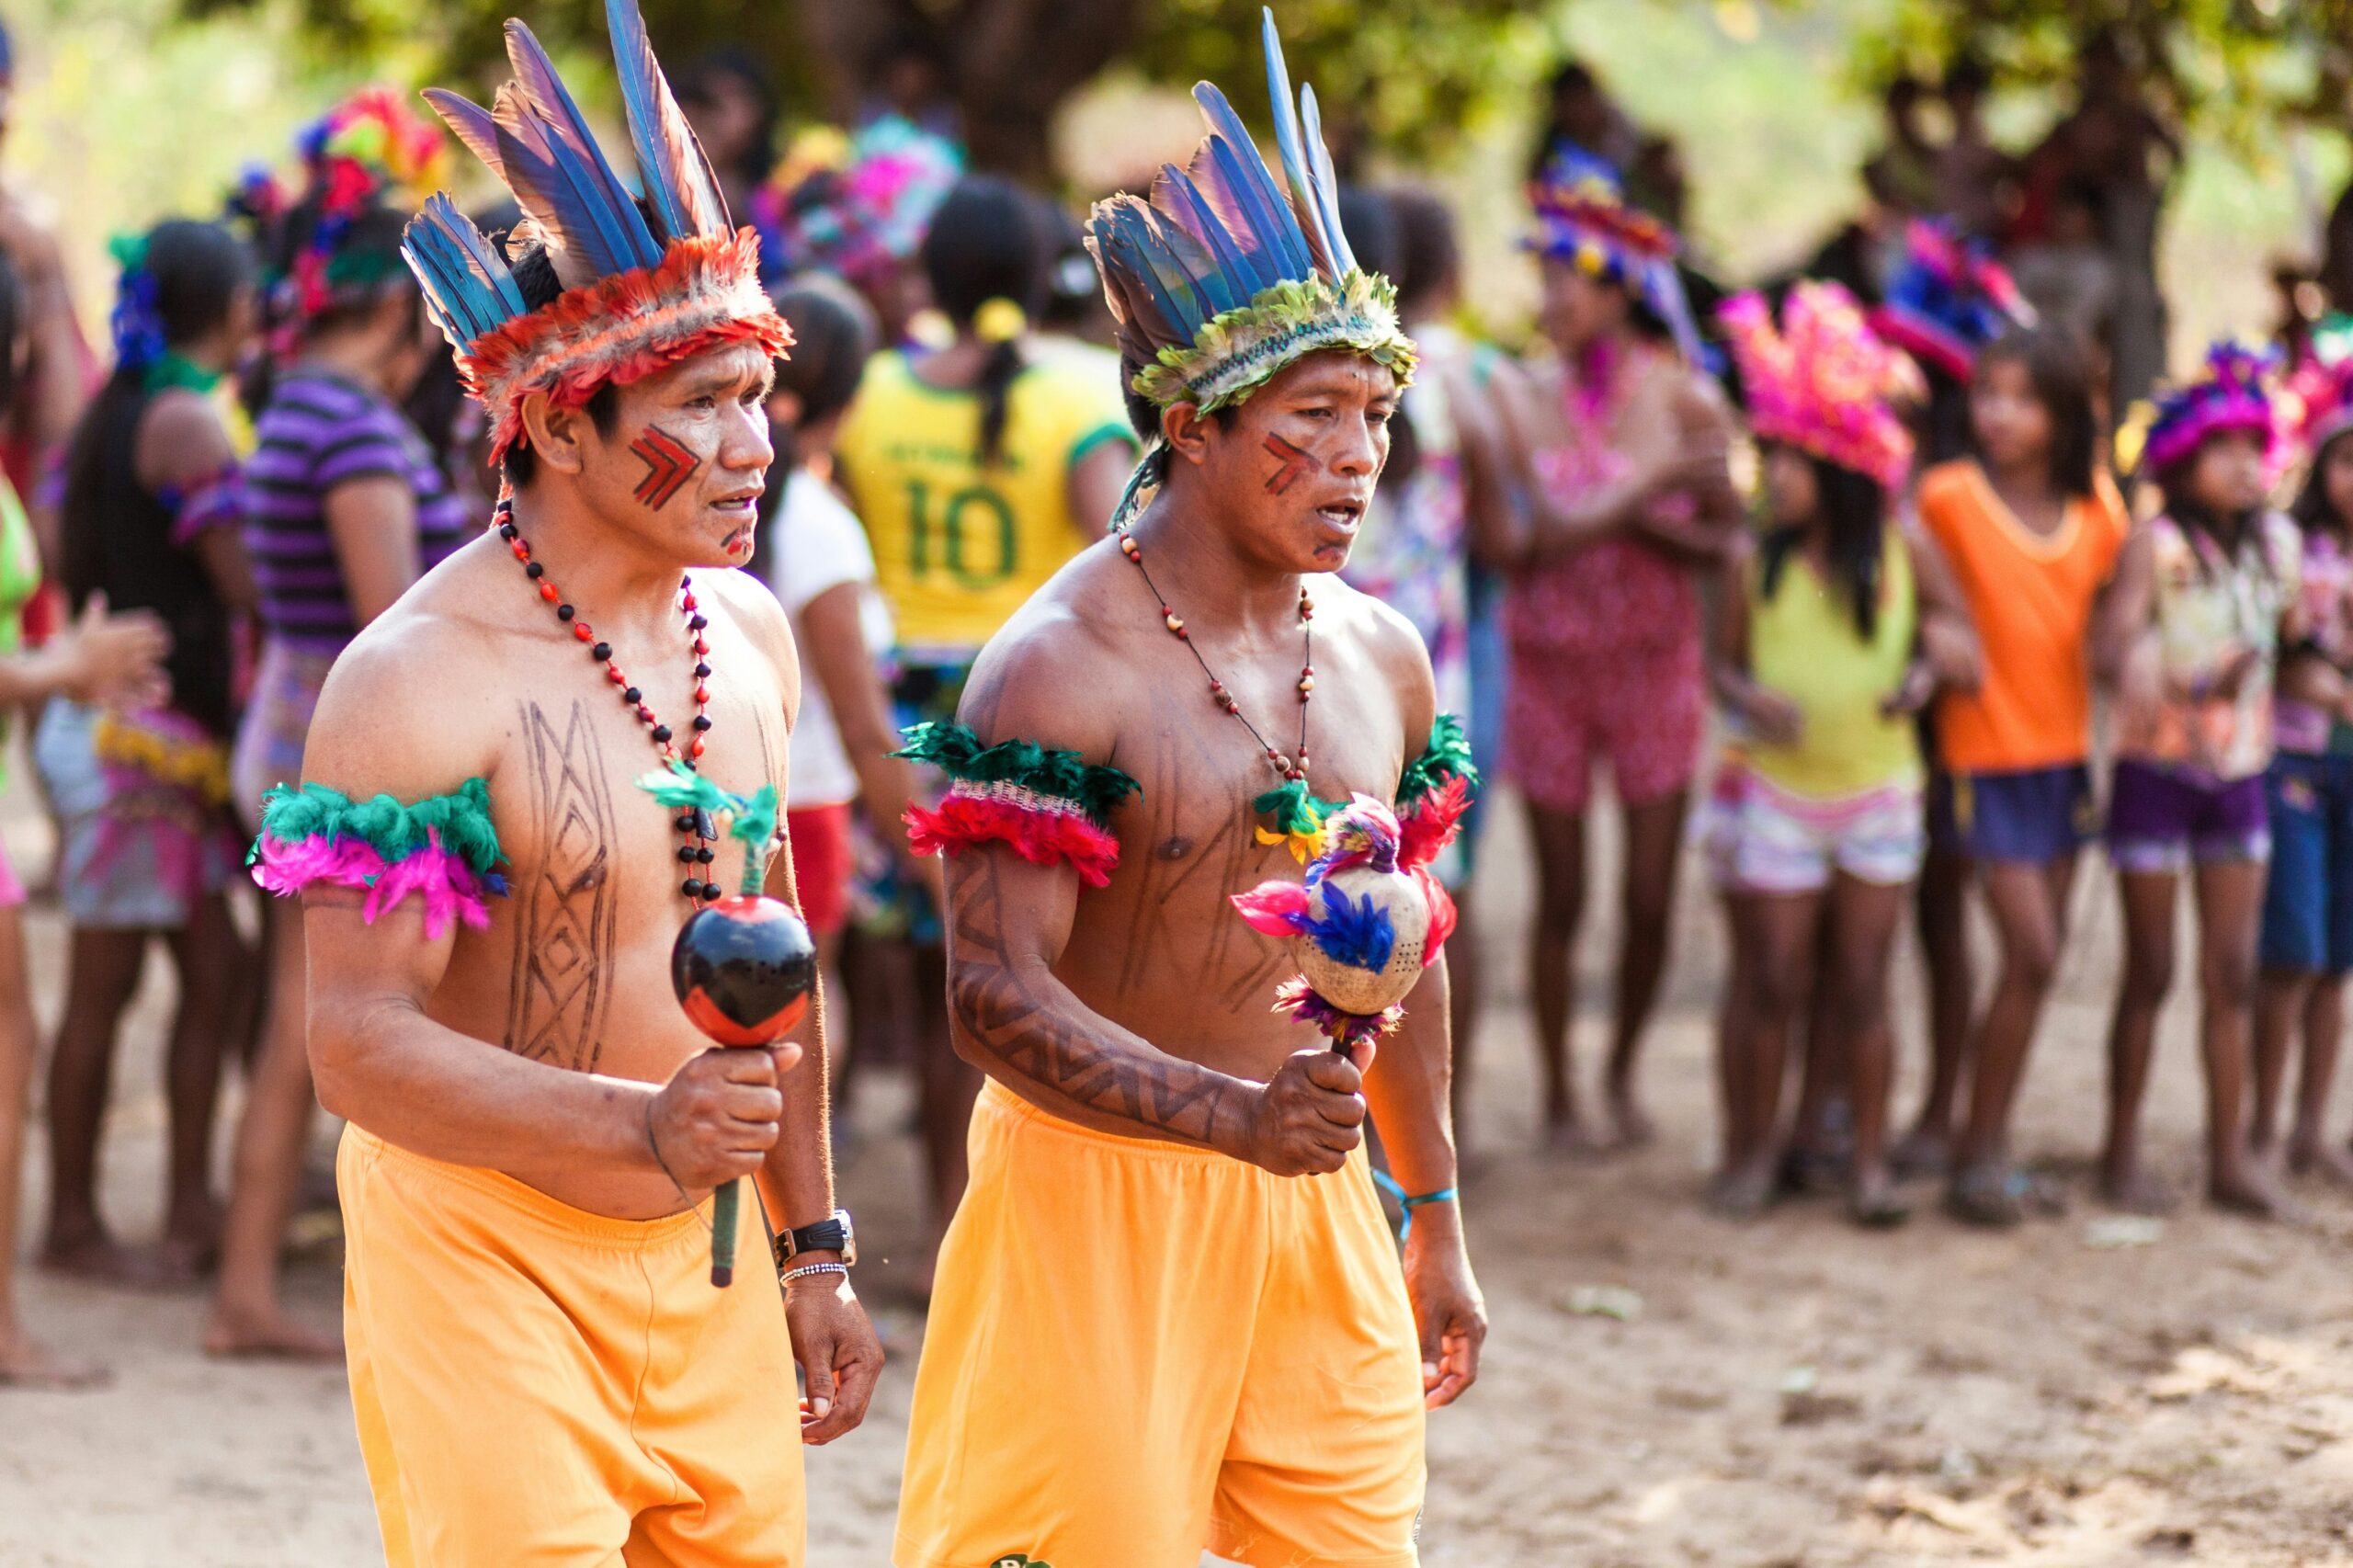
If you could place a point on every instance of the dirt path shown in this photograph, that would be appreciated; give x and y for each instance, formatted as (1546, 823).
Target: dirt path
(1791, 1393)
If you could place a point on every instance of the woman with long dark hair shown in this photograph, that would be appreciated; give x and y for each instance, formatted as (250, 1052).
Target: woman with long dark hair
(148, 846)
(2307, 942)
(347, 505)
(1831, 633)
(979, 468)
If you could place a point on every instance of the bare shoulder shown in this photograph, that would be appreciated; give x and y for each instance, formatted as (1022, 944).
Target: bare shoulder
(1391, 641)
(1061, 672)
(181, 437)
(756, 612)
(406, 712)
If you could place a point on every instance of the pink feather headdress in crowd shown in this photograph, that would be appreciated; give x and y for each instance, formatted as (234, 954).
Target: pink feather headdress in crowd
(2232, 392)
(645, 286)
(1822, 382)
(1948, 298)
(2317, 403)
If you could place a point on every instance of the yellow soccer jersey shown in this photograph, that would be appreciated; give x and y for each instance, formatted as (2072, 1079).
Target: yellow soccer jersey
(958, 546)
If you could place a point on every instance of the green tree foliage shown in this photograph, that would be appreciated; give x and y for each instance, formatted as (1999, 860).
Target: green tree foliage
(1405, 73)
(2234, 68)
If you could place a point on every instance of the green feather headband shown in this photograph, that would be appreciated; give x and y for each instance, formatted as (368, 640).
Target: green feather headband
(1238, 351)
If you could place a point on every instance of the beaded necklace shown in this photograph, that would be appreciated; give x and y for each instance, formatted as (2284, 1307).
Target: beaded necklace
(1285, 767)
(695, 827)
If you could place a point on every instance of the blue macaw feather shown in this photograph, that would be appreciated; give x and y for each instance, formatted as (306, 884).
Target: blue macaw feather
(680, 183)
(469, 289)
(469, 121)
(1286, 141)
(1266, 250)
(1327, 184)
(1225, 284)
(1266, 214)
(594, 215)
(1147, 247)
(1353, 931)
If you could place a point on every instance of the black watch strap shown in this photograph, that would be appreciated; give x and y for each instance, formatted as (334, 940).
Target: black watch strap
(829, 1234)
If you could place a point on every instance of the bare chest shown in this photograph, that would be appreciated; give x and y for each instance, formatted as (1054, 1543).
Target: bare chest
(573, 969)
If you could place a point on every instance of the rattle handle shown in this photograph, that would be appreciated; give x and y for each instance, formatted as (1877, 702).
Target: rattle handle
(723, 1231)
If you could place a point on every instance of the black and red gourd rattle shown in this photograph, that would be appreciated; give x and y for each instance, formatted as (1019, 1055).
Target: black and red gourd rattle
(745, 968)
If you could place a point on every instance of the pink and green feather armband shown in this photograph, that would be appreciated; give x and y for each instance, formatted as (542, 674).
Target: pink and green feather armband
(1048, 806)
(441, 850)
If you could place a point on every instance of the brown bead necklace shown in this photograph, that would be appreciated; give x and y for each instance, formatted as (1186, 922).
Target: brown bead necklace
(1291, 769)
(697, 829)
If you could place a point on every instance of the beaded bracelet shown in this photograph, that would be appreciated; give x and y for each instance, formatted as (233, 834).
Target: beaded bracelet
(790, 1275)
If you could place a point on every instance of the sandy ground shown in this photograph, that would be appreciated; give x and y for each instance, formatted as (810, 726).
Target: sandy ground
(1794, 1392)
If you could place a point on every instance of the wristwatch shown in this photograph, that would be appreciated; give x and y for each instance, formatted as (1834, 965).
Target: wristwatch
(835, 1234)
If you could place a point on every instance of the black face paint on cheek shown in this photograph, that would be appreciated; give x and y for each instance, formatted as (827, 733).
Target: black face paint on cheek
(668, 465)
(1295, 461)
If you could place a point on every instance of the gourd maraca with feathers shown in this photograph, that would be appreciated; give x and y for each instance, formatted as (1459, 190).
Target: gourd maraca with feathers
(1367, 921)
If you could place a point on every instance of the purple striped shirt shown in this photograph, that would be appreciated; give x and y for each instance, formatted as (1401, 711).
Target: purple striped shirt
(319, 431)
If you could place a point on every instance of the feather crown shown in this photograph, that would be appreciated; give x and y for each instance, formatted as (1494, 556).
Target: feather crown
(2231, 393)
(646, 285)
(1583, 218)
(1823, 383)
(2318, 402)
(1219, 280)
(1948, 298)
(369, 150)
(855, 206)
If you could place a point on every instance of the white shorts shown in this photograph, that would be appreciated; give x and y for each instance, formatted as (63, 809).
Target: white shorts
(1759, 838)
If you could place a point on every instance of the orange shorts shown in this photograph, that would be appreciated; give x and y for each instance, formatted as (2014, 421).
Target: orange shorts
(1139, 1350)
(534, 1384)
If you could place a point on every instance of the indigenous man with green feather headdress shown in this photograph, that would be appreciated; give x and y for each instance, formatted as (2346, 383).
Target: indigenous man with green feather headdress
(1169, 1314)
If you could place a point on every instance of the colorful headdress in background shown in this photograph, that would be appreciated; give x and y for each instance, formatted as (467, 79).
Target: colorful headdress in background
(1948, 298)
(642, 290)
(855, 206)
(369, 150)
(1824, 382)
(1218, 281)
(2318, 400)
(2230, 392)
(1583, 217)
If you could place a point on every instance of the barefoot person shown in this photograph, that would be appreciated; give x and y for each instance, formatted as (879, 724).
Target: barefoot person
(1628, 482)
(147, 844)
(345, 504)
(2211, 586)
(2032, 529)
(1169, 1198)
(490, 904)
(2307, 945)
(1833, 631)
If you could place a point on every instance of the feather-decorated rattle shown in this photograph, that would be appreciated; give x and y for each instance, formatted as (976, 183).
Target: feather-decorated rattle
(744, 968)
(1368, 918)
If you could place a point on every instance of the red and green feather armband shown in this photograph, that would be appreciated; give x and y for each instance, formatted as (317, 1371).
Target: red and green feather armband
(1049, 807)
(1435, 792)
(441, 850)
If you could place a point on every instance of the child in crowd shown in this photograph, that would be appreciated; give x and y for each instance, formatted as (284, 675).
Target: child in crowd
(2032, 529)
(1831, 633)
(2210, 589)
(2307, 944)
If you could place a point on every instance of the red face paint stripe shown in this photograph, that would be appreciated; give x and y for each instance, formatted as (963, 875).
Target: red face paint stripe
(668, 466)
(1295, 462)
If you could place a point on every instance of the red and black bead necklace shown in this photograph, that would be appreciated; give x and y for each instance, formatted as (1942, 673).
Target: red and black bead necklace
(696, 828)
(1290, 769)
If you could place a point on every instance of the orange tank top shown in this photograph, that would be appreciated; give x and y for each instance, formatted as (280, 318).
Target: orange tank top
(2031, 598)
